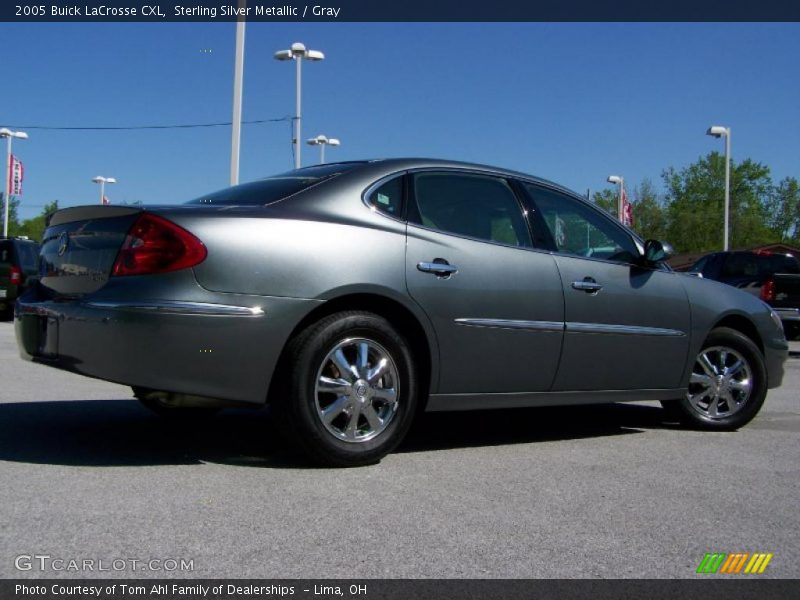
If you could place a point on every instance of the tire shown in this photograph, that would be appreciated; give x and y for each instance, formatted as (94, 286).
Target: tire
(158, 402)
(723, 399)
(348, 390)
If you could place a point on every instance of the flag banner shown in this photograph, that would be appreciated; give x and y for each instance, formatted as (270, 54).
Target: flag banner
(16, 173)
(105, 200)
(627, 210)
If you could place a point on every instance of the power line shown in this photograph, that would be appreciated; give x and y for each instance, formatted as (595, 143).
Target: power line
(133, 127)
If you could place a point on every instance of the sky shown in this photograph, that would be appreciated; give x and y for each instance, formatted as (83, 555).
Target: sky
(571, 103)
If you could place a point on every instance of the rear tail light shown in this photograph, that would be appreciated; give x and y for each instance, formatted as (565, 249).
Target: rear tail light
(15, 276)
(156, 245)
(768, 290)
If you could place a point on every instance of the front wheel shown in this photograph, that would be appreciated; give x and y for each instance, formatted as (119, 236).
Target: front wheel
(727, 386)
(351, 391)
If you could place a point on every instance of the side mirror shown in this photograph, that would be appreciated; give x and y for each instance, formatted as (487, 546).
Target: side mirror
(656, 251)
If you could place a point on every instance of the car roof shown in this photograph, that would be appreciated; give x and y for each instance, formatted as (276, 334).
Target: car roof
(390, 165)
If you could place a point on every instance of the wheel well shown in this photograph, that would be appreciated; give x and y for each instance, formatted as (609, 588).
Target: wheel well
(744, 326)
(398, 315)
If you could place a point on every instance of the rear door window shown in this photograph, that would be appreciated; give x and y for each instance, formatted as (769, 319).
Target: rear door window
(471, 205)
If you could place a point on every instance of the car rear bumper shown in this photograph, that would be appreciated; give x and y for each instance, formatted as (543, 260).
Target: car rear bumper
(776, 351)
(788, 314)
(224, 350)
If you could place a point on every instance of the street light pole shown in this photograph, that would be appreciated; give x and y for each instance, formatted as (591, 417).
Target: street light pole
(8, 134)
(621, 182)
(323, 141)
(298, 53)
(298, 107)
(238, 76)
(717, 131)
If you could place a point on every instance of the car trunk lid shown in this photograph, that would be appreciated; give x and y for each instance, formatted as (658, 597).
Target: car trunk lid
(80, 246)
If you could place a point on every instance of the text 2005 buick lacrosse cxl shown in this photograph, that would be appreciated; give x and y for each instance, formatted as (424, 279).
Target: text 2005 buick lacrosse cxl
(350, 296)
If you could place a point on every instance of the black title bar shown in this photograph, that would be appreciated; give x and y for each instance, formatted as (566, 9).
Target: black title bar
(407, 10)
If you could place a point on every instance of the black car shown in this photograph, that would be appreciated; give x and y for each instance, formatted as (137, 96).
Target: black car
(773, 277)
(18, 262)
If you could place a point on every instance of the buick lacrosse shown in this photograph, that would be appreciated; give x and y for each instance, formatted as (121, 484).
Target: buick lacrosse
(351, 296)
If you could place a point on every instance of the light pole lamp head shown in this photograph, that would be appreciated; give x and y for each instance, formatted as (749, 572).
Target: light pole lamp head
(334, 142)
(299, 51)
(316, 141)
(5, 132)
(616, 179)
(100, 179)
(717, 131)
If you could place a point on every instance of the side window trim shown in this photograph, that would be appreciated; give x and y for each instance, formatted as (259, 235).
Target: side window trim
(414, 217)
(536, 225)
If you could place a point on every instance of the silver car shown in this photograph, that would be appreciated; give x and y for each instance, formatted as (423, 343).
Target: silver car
(351, 296)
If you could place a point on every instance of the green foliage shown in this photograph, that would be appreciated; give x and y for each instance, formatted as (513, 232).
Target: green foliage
(783, 210)
(695, 200)
(689, 214)
(649, 216)
(607, 199)
(32, 228)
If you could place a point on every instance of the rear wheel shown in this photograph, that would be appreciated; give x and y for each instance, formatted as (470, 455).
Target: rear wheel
(351, 391)
(727, 386)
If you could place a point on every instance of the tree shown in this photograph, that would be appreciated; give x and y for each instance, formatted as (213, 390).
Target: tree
(13, 211)
(649, 214)
(695, 203)
(607, 200)
(783, 210)
(34, 228)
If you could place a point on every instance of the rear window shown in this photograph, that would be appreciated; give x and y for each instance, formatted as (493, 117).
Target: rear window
(27, 255)
(6, 251)
(272, 189)
(769, 264)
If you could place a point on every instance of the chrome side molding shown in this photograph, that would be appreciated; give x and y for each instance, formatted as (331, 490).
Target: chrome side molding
(184, 308)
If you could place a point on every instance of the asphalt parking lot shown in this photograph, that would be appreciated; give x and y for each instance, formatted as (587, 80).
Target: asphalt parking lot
(609, 491)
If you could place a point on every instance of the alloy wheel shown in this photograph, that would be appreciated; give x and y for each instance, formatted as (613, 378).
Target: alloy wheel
(721, 382)
(356, 390)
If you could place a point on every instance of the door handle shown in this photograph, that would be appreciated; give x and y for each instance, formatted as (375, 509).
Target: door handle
(588, 285)
(439, 267)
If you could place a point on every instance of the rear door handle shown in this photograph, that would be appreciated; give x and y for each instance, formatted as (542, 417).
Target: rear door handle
(439, 267)
(588, 285)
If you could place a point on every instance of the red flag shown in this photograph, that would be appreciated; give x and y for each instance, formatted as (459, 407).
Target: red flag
(16, 174)
(627, 210)
(105, 199)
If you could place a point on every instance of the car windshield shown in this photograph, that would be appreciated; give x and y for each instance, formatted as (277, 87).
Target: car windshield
(269, 190)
